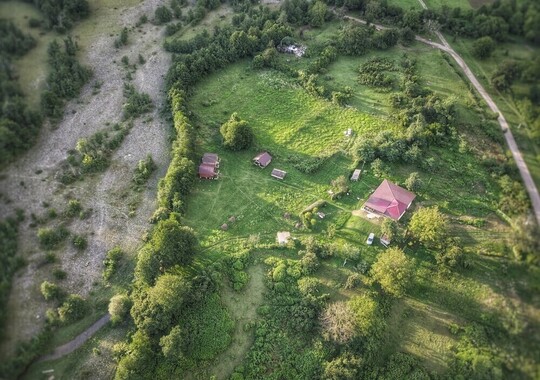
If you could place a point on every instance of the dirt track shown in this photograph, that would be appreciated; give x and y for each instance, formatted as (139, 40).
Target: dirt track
(29, 181)
(528, 181)
(79, 340)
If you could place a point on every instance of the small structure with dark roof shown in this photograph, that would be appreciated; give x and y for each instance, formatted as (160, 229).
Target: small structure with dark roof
(208, 166)
(262, 159)
(210, 159)
(279, 174)
(356, 175)
(207, 171)
(389, 200)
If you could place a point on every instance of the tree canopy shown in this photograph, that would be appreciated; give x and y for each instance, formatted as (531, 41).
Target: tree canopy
(428, 225)
(236, 133)
(393, 271)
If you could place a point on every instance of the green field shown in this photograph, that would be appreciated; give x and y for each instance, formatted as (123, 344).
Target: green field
(274, 106)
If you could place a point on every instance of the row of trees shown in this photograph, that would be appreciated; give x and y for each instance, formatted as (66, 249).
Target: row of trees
(60, 15)
(163, 290)
(18, 124)
(66, 78)
(498, 20)
(9, 261)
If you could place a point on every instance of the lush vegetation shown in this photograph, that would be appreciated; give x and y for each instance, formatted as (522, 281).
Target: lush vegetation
(10, 261)
(18, 124)
(65, 79)
(60, 15)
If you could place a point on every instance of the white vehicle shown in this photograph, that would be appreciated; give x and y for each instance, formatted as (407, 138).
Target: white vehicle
(370, 238)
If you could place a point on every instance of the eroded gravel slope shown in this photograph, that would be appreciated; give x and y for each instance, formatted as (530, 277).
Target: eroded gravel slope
(108, 225)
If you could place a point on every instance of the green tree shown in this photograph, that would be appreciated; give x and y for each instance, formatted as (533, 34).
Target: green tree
(428, 225)
(389, 228)
(73, 309)
(163, 15)
(236, 133)
(171, 244)
(344, 367)
(119, 308)
(365, 310)
(50, 291)
(157, 309)
(393, 271)
(171, 345)
(483, 47)
(413, 182)
(317, 13)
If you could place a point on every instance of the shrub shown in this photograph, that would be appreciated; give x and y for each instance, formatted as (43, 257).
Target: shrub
(59, 274)
(163, 15)
(50, 291)
(73, 309)
(119, 307)
(50, 238)
(73, 208)
(79, 242)
(143, 171)
(111, 262)
(136, 103)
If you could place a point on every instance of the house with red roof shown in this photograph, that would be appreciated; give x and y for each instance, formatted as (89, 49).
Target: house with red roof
(389, 200)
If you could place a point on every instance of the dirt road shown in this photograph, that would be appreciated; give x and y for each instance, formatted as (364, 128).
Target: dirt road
(78, 341)
(509, 137)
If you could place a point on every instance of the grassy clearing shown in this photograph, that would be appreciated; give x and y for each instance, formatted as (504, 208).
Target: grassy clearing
(287, 121)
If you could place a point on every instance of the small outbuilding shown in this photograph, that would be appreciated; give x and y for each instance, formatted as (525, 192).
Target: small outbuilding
(210, 159)
(207, 171)
(283, 237)
(262, 159)
(279, 174)
(356, 175)
(348, 132)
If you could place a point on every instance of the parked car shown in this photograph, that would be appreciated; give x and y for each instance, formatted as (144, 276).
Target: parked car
(370, 238)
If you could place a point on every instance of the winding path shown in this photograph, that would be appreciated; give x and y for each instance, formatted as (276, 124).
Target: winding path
(509, 137)
(77, 342)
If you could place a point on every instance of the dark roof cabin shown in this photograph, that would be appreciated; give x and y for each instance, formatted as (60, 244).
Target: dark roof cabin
(207, 171)
(210, 159)
(208, 166)
(263, 159)
(389, 200)
(279, 174)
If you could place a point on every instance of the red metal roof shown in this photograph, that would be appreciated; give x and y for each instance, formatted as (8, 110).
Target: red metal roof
(210, 159)
(207, 171)
(389, 199)
(263, 159)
